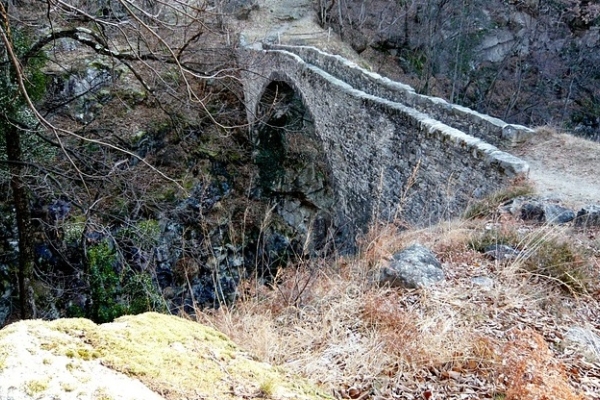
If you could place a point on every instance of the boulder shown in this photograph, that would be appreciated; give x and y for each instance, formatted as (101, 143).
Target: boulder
(484, 282)
(546, 212)
(413, 267)
(148, 357)
(501, 252)
(82, 90)
(585, 340)
(588, 216)
(543, 210)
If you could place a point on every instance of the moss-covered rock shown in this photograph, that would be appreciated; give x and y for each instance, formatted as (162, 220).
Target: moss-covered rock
(148, 356)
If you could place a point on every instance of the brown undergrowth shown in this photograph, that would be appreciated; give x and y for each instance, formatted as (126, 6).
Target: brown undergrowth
(328, 321)
(531, 371)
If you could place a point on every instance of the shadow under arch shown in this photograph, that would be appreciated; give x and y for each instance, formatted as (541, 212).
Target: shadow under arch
(293, 169)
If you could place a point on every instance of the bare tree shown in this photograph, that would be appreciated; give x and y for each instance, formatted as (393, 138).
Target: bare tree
(139, 37)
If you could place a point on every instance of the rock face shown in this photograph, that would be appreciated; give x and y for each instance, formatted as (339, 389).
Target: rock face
(293, 168)
(413, 267)
(134, 358)
(453, 49)
(85, 86)
(240, 9)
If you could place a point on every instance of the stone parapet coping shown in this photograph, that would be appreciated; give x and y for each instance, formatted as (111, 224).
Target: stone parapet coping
(486, 127)
(510, 165)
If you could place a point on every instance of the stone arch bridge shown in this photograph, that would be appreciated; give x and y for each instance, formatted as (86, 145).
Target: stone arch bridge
(341, 146)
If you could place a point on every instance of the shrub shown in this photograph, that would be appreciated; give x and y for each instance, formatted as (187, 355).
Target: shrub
(114, 294)
(104, 283)
(559, 261)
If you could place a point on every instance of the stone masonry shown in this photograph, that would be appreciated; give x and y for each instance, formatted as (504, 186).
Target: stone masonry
(390, 155)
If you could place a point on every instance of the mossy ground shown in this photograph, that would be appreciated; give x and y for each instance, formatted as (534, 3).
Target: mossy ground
(174, 357)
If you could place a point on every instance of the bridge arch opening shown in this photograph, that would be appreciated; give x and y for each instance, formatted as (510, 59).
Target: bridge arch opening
(292, 167)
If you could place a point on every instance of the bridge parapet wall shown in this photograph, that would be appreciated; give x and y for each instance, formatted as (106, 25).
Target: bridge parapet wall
(388, 160)
(488, 128)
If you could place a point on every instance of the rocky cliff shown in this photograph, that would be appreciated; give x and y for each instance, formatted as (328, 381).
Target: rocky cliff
(528, 62)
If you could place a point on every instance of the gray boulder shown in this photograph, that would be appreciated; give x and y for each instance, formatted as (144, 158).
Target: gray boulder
(588, 216)
(484, 282)
(413, 267)
(501, 252)
(585, 340)
(545, 212)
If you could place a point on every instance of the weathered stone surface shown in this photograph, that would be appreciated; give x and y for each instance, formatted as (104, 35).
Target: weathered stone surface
(357, 40)
(501, 252)
(413, 267)
(240, 9)
(135, 357)
(543, 210)
(496, 45)
(492, 130)
(586, 340)
(82, 90)
(484, 282)
(556, 214)
(588, 216)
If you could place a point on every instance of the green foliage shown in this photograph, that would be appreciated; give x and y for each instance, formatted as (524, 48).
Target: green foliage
(413, 60)
(13, 106)
(141, 294)
(73, 230)
(104, 284)
(115, 294)
(75, 311)
(11, 99)
(145, 233)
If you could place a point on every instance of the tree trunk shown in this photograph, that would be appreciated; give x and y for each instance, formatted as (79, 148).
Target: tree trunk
(23, 215)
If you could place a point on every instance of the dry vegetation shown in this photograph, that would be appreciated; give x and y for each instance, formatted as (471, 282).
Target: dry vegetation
(456, 340)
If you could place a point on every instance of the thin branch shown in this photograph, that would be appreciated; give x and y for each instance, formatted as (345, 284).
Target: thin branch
(20, 82)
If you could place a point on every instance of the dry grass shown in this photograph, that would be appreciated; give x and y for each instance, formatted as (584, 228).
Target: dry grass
(571, 150)
(329, 322)
(482, 208)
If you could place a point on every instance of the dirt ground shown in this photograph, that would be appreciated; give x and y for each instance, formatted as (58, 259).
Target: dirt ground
(563, 166)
